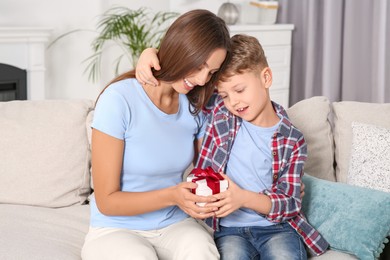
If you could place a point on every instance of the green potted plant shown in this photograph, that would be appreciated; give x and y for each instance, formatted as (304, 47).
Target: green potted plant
(131, 30)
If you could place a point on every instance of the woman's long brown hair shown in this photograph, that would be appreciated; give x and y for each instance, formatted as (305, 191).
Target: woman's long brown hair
(186, 46)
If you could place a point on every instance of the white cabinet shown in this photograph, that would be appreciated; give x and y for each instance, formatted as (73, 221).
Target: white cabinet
(276, 41)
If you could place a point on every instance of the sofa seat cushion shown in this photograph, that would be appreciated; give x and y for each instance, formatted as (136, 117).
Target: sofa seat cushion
(45, 155)
(334, 255)
(37, 233)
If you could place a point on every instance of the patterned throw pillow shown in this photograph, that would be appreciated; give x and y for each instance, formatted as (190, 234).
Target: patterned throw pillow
(370, 157)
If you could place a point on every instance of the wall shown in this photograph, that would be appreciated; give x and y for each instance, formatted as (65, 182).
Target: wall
(182, 6)
(65, 78)
(64, 74)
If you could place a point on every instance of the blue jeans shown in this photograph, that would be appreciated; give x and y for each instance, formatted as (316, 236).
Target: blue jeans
(279, 241)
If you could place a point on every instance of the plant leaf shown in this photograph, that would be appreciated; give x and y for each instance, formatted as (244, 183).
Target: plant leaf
(131, 30)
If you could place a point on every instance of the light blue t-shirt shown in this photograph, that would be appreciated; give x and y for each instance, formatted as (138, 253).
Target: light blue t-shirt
(158, 148)
(250, 167)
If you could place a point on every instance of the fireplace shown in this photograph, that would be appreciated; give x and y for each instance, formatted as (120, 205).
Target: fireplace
(12, 83)
(22, 60)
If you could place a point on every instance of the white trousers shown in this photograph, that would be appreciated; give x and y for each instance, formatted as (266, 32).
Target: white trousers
(186, 240)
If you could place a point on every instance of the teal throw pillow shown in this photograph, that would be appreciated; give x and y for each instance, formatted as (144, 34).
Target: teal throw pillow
(352, 219)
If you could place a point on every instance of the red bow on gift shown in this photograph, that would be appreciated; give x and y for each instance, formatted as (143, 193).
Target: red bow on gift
(212, 178)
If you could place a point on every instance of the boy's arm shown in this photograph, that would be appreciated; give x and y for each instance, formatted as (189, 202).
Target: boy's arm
(285, 191)
(143, 71)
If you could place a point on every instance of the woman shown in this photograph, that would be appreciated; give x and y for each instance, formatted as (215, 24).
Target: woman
(143, 139)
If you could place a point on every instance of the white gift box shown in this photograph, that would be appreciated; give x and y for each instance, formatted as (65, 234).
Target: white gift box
(203, 189)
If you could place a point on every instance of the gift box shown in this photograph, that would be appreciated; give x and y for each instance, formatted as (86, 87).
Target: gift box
(209, 182)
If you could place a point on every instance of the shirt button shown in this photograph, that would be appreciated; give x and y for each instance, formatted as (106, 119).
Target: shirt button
(275, 176)
(274, 153)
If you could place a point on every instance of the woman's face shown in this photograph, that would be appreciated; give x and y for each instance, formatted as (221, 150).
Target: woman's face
(200, 76)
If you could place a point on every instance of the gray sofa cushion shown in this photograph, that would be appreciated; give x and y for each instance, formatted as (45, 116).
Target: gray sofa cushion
(311, 116)
(44, 152)
(38, 233)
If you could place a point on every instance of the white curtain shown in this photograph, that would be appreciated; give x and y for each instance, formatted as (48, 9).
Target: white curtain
(340, 49)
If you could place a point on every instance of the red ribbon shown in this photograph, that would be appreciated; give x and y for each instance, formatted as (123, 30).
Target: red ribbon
(212, 178)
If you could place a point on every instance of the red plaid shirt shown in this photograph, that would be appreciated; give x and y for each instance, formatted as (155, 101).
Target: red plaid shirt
(289, 152)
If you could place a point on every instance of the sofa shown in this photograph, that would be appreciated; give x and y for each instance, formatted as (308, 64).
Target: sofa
(45, 177)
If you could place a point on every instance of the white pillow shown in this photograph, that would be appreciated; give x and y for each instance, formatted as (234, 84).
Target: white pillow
(44, 152)
(370, 157)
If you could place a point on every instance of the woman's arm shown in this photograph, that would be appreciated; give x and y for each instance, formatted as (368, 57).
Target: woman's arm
(107, 153)
(197, 147)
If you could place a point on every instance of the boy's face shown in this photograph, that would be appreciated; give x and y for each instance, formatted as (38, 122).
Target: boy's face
(246, 95)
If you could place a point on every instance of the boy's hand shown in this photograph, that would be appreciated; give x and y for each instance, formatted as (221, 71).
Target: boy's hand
(230, 200)
(302, 190)
(143, 71)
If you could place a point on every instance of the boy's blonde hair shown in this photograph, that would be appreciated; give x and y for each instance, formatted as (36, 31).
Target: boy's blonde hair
(246, 54)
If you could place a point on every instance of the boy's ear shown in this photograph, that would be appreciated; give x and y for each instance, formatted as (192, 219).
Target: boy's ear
(267, 76)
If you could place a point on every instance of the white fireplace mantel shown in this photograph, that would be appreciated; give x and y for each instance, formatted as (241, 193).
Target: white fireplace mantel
(24, 47)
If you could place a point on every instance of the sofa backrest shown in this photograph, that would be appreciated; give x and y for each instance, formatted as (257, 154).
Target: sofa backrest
(327, 128)
(44, 151)
(45, 145)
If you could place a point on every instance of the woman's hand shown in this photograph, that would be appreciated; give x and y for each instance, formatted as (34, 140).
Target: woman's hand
(143, 71)
(186, 200)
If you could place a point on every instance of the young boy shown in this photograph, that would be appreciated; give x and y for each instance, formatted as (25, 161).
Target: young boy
(251, 139)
